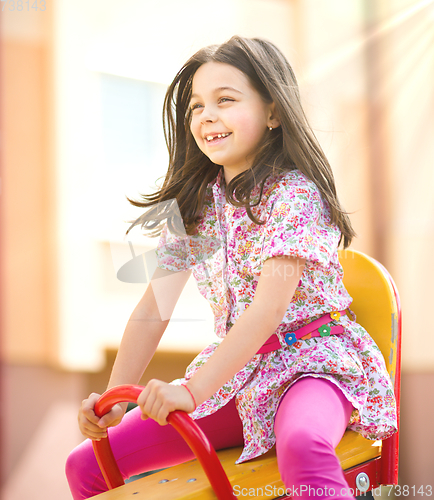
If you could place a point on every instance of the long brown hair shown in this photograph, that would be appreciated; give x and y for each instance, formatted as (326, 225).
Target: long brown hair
(290, 146)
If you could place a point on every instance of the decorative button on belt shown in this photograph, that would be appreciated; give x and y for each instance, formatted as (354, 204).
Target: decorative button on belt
(324, 330)
(290, 338)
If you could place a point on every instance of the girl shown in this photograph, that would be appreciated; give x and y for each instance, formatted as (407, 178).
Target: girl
(261, 228)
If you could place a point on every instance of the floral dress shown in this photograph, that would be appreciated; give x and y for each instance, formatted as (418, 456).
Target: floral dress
(226, 257)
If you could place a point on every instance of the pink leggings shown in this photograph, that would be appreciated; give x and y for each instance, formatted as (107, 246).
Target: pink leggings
(309, 424)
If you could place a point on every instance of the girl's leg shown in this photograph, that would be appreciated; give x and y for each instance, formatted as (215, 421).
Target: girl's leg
(141, 446)
(310, 422)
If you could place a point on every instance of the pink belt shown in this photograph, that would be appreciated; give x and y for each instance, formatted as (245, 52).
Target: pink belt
(317, 328)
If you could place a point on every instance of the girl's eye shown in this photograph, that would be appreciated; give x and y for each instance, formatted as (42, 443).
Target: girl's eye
(221, 100)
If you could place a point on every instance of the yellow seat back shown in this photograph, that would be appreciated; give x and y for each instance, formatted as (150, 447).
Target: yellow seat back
(374, 302)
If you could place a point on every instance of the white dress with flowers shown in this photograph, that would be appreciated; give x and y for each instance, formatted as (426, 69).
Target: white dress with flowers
(226, 257)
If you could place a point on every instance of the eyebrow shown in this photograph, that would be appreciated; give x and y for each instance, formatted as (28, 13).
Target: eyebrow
(219, 89)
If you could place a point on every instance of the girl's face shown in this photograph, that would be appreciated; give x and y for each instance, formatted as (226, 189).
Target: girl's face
(229, 117)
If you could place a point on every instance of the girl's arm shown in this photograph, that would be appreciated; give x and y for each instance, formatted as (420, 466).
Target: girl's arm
(146, 326)
(142, 334)
(276, 286)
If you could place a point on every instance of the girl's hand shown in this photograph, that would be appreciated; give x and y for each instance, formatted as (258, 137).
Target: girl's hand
(158, 399)
(93, 427)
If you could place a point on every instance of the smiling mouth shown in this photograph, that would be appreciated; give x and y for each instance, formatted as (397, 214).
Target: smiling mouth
(215, 137)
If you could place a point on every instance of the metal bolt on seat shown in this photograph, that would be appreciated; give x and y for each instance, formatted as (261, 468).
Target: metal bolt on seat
(362, 482)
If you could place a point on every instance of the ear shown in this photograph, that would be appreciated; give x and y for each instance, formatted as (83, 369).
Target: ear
(273, 118)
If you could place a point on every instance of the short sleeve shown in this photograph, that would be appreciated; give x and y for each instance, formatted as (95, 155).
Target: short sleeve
(299, 225)
(172, 251)
(182, 252)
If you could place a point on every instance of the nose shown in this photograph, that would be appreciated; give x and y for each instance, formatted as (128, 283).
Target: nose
(208, 115)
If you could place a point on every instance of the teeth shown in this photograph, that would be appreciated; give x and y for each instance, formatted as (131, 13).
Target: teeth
(219, 136)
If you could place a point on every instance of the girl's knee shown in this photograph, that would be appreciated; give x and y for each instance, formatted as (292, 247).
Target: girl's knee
(302, 444)
(75, 470)
(83, 473)
(73, 465)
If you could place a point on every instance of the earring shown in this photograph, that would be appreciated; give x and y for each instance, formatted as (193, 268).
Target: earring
(270, 128)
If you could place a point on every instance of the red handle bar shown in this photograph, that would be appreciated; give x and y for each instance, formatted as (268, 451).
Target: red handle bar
(187, 427)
